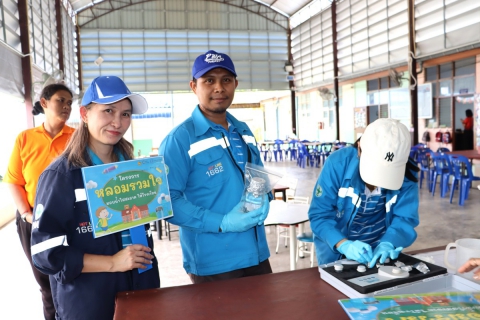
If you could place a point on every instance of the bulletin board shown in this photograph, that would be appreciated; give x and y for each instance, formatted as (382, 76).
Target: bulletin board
(360, 117)
(425, 101)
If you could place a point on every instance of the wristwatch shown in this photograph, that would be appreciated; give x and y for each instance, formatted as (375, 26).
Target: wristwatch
(24, 216)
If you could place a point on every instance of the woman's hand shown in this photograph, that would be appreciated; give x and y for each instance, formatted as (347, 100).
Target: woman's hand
(132, 257)
(471, 264)
(29, 218)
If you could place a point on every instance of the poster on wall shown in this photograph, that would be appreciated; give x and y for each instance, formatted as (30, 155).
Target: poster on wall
(360, 118)
(425, 101)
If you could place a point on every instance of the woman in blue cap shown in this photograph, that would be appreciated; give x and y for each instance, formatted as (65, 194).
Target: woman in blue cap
(86, 273)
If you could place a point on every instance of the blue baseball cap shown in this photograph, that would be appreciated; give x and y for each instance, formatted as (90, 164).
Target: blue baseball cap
(212, 60)
(110, 89)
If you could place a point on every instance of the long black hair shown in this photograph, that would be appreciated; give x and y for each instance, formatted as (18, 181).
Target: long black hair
(47, 94)
(411, 167)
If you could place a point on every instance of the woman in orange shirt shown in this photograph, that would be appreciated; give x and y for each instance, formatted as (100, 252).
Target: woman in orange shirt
(34, 150)
(468, 129)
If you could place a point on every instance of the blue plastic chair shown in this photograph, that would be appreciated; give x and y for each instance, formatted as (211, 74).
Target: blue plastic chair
(266, 151)
(303, 240)
(340, 145)
(293, 149)
(426, 172)
(278, 150)
(313, 156)
(302, 155)
(463, 176)
(414, 150)
(442, 149)
(441, 168)
(325, 151)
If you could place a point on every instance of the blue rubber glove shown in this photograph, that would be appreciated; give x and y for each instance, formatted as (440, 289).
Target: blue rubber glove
(238, 221)
(356, 250)
(265, 208)
(383, 251)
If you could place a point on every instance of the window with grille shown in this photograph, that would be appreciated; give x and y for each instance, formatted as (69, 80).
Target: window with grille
(450, 80)
(383, 111)
(445, 112)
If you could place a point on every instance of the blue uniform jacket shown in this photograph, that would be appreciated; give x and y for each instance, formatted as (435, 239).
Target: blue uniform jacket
(205, 184)
(62, 234)
(336, 198)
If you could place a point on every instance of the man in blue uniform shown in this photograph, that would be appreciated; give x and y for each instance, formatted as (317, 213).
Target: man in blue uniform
(206, 156)
(365, 202)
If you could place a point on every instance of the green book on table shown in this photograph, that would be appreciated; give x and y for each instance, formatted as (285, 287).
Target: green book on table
(422, 306)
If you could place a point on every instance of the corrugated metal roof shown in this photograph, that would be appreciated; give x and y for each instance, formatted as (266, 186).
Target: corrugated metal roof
(286, 7)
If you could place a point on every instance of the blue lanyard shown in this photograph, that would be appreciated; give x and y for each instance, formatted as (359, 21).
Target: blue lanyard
(96, 160)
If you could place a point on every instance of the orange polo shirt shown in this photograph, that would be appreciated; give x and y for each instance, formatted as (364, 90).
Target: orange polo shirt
(34, 150)
(468, 123)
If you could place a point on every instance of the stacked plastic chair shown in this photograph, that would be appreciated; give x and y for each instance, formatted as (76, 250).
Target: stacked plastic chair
(463, 177)
(441, 168)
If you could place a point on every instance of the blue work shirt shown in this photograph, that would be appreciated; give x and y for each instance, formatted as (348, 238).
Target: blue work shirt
(336, 199)
(205, 184)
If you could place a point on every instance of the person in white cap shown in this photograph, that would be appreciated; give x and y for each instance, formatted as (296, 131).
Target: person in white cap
(87, 273)
(365, 202)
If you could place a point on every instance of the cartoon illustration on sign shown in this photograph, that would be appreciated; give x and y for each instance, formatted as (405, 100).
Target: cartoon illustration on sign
(126, 194)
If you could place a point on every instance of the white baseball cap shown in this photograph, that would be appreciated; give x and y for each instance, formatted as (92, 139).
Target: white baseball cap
(385, 148)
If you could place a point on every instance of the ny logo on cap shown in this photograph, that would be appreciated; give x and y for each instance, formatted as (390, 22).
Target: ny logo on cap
(389, 156)
(212, 58)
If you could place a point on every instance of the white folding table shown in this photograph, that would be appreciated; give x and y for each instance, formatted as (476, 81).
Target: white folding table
(288, 213)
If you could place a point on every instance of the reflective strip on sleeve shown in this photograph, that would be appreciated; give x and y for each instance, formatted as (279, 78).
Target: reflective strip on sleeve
(80, 195)
(205, 144)
(348, 192)
(389, 204)
(49, 244)
(249, 139)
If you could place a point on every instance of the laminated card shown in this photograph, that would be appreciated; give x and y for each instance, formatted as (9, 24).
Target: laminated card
(123, 195)
(423, 306)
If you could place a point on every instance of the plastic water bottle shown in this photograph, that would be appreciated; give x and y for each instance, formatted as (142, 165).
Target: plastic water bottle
(254, 194)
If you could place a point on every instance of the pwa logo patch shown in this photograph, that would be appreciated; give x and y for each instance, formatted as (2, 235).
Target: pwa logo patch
(212, 58)
(318, 191)
(38, 211)
(215, 169)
